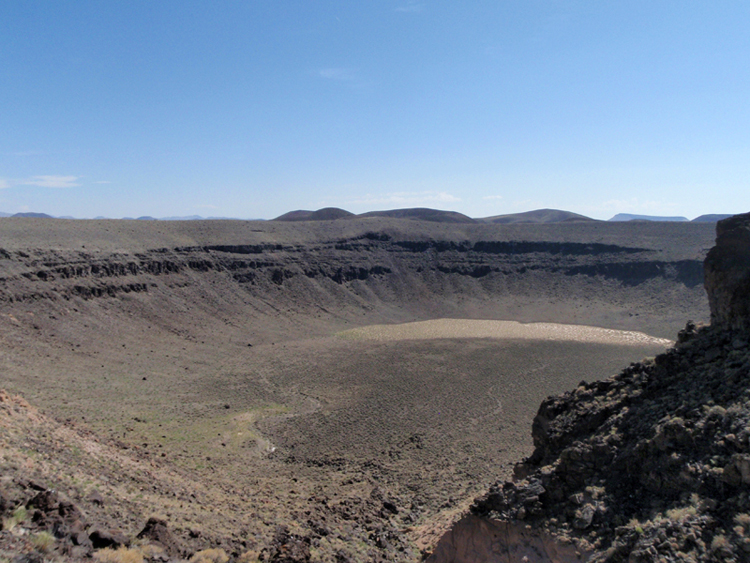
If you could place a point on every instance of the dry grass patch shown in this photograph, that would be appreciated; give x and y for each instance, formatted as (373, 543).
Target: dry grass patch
(210, 556)
(119, 555)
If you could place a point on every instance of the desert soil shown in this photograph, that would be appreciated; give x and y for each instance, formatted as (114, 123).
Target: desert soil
(253, 406)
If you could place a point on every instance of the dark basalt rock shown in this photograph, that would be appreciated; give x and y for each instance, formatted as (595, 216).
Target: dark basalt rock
(156, 530)
(108, 538)
(287, 548)
(727, 274)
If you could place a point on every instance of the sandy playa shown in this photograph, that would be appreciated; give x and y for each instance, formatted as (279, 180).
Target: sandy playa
(463, 328)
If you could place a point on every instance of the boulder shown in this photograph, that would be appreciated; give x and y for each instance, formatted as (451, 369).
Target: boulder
(108, 538)
(727, 274)
(157, 531)
(287, 548)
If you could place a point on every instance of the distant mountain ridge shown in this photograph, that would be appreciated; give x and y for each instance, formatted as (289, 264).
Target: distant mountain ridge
(631, 217)
(33, 215)
(712, 218)
(538, 216)
(325, 214)
(423, 214)
(417, 213)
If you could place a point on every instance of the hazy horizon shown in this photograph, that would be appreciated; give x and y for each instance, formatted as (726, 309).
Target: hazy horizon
(614, 218)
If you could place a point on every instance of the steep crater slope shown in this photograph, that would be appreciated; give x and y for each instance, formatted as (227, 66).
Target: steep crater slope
(652, 464)
(386, 269)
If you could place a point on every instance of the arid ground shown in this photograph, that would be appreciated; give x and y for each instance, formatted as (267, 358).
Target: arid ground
(356, 381)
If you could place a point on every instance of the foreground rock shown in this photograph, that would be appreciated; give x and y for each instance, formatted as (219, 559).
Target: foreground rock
(652, 464)
(727, 272)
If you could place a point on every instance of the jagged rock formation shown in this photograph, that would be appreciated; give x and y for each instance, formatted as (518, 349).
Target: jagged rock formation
(727, 271)
(650, 465)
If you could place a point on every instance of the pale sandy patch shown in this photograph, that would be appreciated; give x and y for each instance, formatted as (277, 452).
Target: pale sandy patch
(464, 328)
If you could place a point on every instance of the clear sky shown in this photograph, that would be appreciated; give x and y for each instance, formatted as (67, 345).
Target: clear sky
(251, 109)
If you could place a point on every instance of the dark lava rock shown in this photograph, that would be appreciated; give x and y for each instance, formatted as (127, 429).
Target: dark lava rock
(287, 548)
(108, 538)
(32, 557)
(5, 503)
(156, 530)
(95, 497)
(31, 484)
(727, 274)
(46, 501)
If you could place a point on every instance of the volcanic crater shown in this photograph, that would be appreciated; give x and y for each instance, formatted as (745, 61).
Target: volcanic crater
(337, 389)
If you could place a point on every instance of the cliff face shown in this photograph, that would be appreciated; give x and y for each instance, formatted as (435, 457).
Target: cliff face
(613, 273)
(652, 464)
(727, 274)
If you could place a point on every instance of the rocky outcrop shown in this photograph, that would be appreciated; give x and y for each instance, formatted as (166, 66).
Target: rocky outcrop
(727, 274)
(48, 275)
(650, 465)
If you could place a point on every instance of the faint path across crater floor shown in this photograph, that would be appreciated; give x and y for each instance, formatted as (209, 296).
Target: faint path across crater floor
(464, 328)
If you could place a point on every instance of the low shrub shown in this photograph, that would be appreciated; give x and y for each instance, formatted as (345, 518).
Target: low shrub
(210, 556)
(43, 542)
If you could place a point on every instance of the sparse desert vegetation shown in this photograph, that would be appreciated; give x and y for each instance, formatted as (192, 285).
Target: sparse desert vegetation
(206, 374)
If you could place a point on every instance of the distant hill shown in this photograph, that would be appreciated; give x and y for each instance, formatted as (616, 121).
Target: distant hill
(422, 214)
(33, 215)
(201, 218)
(538, 216)
(710, 218)
(325, 214)
(629, 217)
(186, 218)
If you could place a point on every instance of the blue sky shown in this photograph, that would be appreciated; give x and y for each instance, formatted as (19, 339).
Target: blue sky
(251, 109)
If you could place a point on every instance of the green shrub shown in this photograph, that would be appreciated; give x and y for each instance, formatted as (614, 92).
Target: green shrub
(18, 516)
(43, 542)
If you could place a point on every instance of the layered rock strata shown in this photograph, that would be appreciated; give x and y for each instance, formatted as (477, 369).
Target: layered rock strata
(486, 270)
